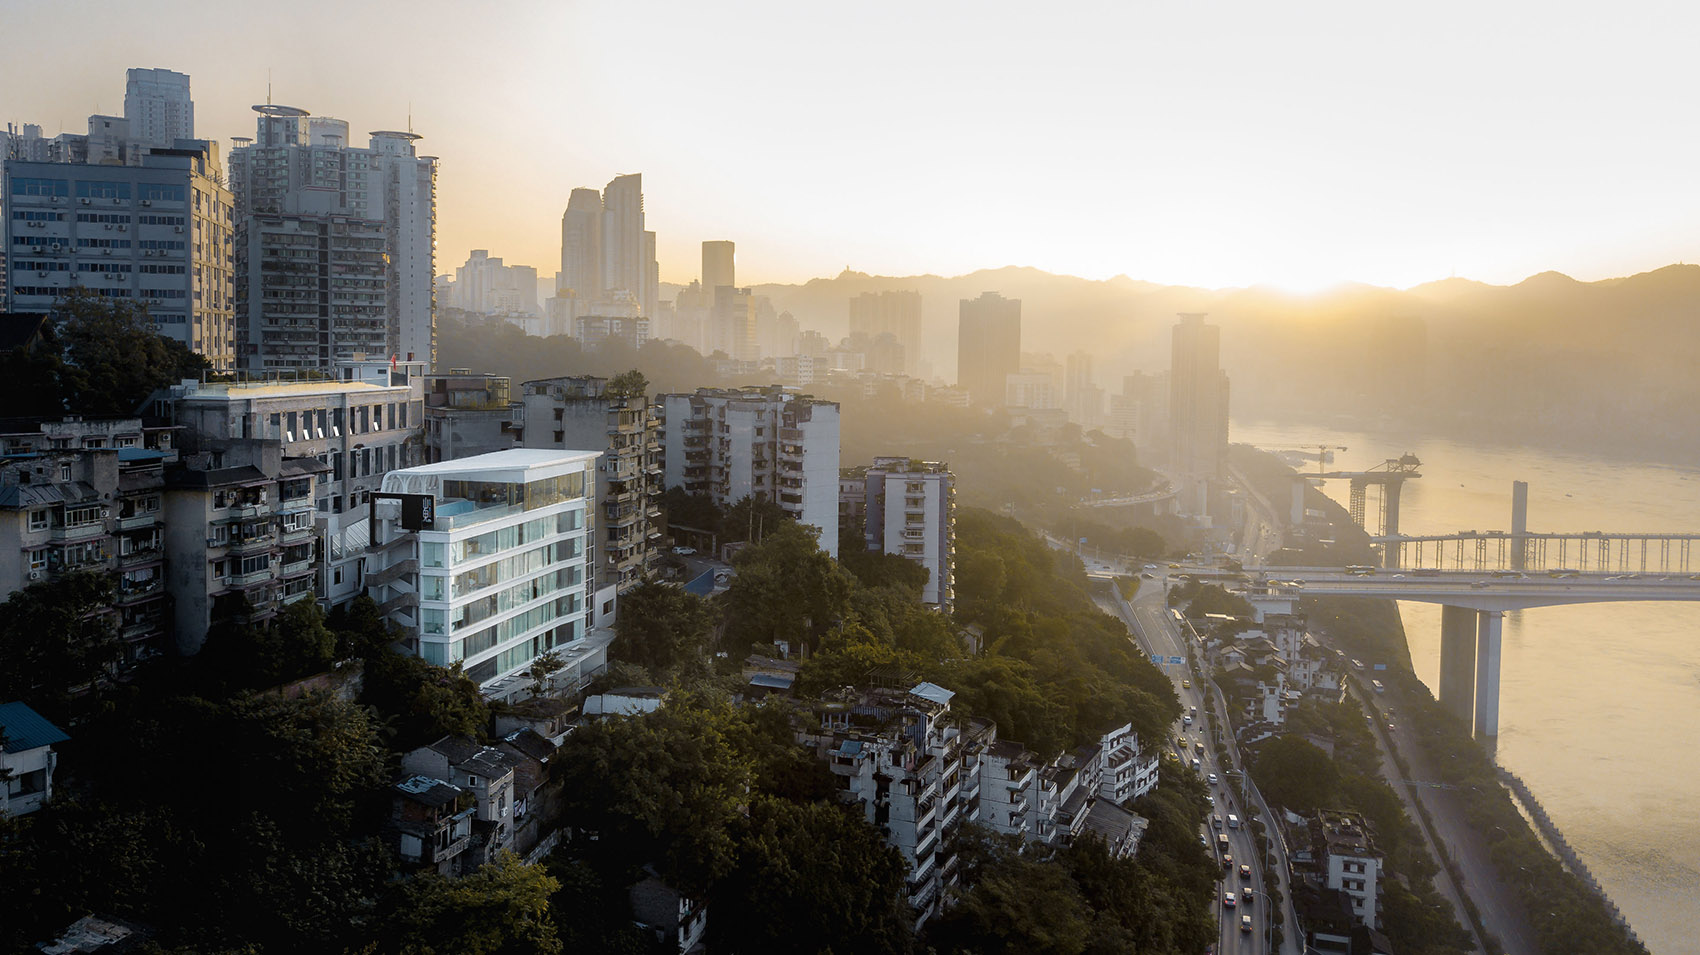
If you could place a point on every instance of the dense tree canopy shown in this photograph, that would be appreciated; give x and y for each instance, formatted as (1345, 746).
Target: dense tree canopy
(57, 637)
(661, 627)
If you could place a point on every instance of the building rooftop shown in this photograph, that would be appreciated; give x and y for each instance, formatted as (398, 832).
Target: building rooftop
(25, 729)
(933, 693)
(1345, 833)
(516, 462)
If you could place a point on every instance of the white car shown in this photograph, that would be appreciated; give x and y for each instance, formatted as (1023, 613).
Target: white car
(684, 551)
(1212, 779)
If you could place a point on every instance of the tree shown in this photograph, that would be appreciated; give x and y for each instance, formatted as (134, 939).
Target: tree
(753, 518)
(114, 357)
(1293, 773)
(540, 669)
(57, 637)
(659, 625)
(786, 588)
(628, 384)
(501, 909)
(787, 855)
(422, 702)
(665, 786)
(1015, 903)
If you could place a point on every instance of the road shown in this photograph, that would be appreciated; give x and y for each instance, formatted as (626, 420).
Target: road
(1501, 912)
(1148, 620)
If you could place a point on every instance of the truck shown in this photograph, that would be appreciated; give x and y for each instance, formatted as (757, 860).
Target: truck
(1222, 842)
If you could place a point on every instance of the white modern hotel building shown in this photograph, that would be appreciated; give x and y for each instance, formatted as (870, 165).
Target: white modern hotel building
(483, 562)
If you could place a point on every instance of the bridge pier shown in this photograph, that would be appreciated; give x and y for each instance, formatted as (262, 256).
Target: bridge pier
(1458, 661)
(1519, 525)
(1487, 673)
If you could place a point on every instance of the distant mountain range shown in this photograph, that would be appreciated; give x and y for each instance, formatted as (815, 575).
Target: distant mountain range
(1550, 360)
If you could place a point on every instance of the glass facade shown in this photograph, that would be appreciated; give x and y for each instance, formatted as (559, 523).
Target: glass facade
(496, 597)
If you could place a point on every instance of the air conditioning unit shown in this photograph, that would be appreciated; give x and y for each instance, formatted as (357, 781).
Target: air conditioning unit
(147, 202)
(83, 201)
(178, 230)
(106, 512)
(105, 251)
(212, 542)
(41, 273)
(123, 228)
(35, 575)
(109, 227)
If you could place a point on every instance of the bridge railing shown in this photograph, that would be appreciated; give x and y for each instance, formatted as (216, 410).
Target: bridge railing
(1589, 552)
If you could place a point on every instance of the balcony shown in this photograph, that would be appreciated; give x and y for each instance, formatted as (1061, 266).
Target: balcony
(137, 592)
(295, 535)
(296, 568)
(250, 545)
(248, 579)
(80, 532)
(136, 522)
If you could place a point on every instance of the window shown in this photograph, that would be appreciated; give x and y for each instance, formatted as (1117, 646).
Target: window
(38, 520)
(103, 190)
(162, 192)
(40, 187)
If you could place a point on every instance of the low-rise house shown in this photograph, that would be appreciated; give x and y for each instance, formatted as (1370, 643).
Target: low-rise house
(1349, 860)
(1120, 829)
(678, 921)
(535, 798)
(625, 701)
(550, 717)
(484, 771)
(430, 822)
(1126, 770)
(27, 761)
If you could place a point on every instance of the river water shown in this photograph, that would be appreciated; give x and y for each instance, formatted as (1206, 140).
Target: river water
(1599, 703)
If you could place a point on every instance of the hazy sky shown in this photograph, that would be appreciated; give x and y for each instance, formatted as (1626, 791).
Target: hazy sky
(1211, 144)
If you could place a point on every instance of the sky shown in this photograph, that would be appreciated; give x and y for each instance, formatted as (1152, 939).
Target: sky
(1221, 144)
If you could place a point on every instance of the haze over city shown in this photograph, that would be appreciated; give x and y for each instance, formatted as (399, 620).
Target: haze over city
(1232, 145)
(556, 477)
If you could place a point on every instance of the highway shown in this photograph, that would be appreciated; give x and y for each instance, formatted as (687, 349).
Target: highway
(1148, 620)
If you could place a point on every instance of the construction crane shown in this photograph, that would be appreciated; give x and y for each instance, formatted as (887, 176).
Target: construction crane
(1324, 453)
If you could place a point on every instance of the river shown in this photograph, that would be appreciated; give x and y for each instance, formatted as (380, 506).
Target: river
(1597, 700)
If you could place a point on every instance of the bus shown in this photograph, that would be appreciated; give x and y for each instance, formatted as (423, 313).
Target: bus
(1360, 570)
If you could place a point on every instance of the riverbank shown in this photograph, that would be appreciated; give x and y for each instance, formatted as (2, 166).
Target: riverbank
(1516, 882)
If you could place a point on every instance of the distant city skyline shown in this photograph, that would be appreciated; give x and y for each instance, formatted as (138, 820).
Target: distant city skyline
(1216, 148)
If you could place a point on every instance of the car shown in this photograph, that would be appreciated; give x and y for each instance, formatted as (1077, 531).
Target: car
(1391, 727)
(1149, 576)
(1181, 742)
(1150, 567)
(1245, 871)
(1198, 747)
(1186, 684)
(1245, 924)
(1213, 781)
(1357, 664)
(684, 551)
(1478, 585)
(1228, 900)
(1245, 896)
(1227, 860)
(1187, 719)
(1196, 766)
(1216, 820)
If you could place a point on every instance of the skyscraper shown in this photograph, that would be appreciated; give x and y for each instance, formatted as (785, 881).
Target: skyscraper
(624, 256)
(581, 246)
(605, 249)
(988, 346)
(336, 245)
(895, 313)
(718, 269)
(157, 107)
(1198, 411)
